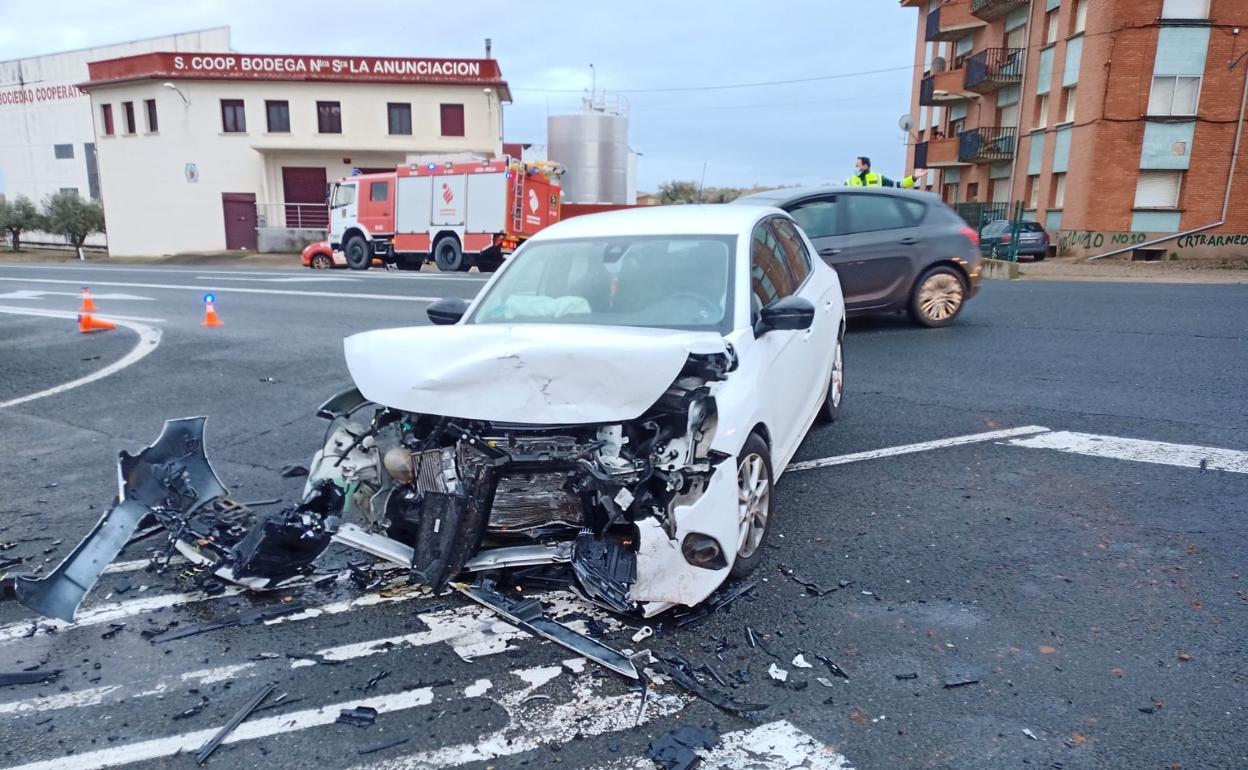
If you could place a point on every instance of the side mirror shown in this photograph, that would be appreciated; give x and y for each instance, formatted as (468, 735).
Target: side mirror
(447, 310)
(792, 313)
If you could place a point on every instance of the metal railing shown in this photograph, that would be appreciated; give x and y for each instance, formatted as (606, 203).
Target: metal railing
(994, 68)
(933, 26)
(987, 145)
(927, 91)
(310, 216)
(920, 155)
(995, 9)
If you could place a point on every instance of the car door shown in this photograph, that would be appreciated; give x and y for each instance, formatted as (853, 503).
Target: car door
(878, 257)
(784, 358)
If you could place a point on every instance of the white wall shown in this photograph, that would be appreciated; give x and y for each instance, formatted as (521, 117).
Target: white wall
(150, 207)
(60, 114)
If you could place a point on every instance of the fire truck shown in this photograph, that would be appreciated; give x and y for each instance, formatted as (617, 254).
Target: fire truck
(457, 213)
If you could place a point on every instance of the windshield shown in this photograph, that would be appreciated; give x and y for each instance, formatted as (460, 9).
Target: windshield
(666, 282)
(344, 195)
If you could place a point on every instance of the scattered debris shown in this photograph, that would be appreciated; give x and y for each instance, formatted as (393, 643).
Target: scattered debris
(676, 749)
(294, 471)
(800, 661)
(145, 533)
(28, 677)
(533, 697)
(777, 673)
(645, 633)
(360, 716)
(757, 643)
(911, 675)
(383, 746)
(681, 672)
(206, 751)
(268, 380)
(192, 711)
(812, 588)
(1153, 707)
(835, 669)
(1185, 657)
(961, 679)
(823, 680)
(1030, 734)
(258, 503)
(244, 618)
(372, 682)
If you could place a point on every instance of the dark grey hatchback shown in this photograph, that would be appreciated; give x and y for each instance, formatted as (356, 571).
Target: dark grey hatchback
(893, 249)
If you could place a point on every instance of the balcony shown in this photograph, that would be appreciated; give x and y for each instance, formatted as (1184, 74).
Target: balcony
(991, 10)
(987, 145)
(937, 153)
(951, 21)
(944, 87)
(993, 69)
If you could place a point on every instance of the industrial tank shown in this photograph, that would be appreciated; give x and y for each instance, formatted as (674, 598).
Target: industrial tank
(593, 146)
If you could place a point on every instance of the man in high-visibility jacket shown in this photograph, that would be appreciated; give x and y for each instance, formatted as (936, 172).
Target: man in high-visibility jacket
(865, 177)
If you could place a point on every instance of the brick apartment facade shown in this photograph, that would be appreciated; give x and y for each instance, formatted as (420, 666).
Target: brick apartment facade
(1111, 121)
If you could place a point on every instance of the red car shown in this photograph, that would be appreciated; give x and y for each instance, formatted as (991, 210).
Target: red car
(319, 256)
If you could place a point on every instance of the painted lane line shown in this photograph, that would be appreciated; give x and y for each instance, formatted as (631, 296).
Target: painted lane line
(383, 275)
(109, 613)
(34, 294)
(235, 290)
(1137, 450)
(773, 746)
(149, 339)
(925, 446)
(310, 279)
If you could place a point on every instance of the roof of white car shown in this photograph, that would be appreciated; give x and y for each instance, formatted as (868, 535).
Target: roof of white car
(701, 219)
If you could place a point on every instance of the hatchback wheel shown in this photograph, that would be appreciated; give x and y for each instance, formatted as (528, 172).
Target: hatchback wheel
(754, 481)
(322, 262)
(937, 297)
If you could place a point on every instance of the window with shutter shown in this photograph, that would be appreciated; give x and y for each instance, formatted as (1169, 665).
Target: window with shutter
(1158, 189)
(1185, 9)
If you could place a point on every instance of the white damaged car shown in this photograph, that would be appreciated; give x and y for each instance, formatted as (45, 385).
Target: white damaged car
(618, 401)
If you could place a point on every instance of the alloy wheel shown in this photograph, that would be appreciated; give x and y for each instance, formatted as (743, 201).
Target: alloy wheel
(753, 503)
(940, 296)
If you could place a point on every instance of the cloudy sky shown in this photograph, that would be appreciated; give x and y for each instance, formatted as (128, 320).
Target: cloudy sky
(805, 132)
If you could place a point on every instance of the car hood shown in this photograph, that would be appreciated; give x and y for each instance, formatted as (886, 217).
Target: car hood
(542, 374)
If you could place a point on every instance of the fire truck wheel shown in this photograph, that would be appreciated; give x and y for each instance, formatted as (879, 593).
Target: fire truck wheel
(448, 255)
(356, 251)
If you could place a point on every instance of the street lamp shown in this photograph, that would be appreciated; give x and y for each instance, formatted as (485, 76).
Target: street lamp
(172, 87)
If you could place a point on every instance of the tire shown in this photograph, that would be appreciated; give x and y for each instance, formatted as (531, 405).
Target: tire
(830, 409)
(754, 454)
(937, 297)
(357, 252)
(1039, 257)
(321, 262)
(448, 255)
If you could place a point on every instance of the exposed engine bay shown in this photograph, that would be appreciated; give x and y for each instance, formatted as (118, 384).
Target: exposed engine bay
(640, 513)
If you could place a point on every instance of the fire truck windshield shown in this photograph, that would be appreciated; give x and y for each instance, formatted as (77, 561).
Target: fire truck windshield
(344, 195)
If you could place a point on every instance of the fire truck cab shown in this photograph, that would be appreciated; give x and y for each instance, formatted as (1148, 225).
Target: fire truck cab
(459, 214)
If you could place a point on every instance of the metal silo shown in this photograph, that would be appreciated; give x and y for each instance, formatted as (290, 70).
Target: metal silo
(593, 146)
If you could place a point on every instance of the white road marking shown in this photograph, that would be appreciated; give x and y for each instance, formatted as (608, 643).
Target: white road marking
(925, 446)
(312, 279)
(234, 290)
(29, 294)
(773, 746)
(111, 612)
(137, 565)
(1136, 450)
(149, 338)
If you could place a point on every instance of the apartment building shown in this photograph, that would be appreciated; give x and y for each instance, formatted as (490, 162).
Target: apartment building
(1112, 122)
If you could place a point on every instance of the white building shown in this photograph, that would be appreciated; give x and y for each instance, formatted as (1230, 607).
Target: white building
(214, 151)
(47, 141)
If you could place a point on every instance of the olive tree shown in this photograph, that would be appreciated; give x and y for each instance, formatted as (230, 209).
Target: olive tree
(67, 214)
(18, 216)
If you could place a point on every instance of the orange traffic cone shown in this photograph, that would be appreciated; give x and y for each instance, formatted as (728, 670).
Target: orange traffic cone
(210, 311)
(88, 305)
(87, 323)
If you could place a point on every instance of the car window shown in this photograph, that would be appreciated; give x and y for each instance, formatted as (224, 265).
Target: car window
(817, 217)
(914, 210)
(769, 278)
(378, 191)
(868, 213)
(1031, 227)
(796, 258)
(995, 228)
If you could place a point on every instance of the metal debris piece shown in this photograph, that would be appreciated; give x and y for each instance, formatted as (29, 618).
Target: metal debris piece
(676, 749)
(113, 630)
(777, 673)
(812, 588)
(527, 615)
(823, 680)
(682, 675)
(192, 711)
(533, 697)
(383, 746)
(372, 682)
(28, 677)
(961, 680)
(258, 503)
(645, 633)
(799, 661)
(251, 705)
(244, 618)
(360, 716)
(835, 669)
(145, 533)
(294, 471)
(1030, 734)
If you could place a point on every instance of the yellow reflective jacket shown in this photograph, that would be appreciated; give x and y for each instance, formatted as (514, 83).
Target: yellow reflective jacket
(872, 179)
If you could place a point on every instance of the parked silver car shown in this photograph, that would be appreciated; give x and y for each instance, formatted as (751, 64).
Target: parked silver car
(895, 250)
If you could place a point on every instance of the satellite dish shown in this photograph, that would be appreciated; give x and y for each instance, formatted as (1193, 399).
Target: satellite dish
(906, 123)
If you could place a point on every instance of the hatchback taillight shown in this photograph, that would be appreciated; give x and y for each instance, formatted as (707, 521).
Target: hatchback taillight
(971, 235)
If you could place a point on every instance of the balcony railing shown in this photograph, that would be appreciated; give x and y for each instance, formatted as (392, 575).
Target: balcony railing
(933, 26)
(990, 10)
(994, 68)
(311, 216)
(920, 155)
(951, 20)
(987, 145)
(927, 89)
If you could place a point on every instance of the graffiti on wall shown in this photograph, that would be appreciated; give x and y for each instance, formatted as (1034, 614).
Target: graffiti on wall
(1205, 240)
(1095, 239)
(1077, 242)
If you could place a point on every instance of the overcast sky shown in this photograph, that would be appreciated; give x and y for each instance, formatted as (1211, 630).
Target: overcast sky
(805, 133)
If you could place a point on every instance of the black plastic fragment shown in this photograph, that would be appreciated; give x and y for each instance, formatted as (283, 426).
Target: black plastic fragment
(605, 570)
(245, 618)
(674, 750)
(28, 677)
(251, 705)
(113, 630)
(372, 682)
(294, 471)
(192, 711)
(911, 675)
(681, 673)
(961, 679)
(812, 588)
(383, 746)
(832, 667)
(360, 716)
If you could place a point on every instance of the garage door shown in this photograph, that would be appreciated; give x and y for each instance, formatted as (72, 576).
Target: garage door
(303, 190)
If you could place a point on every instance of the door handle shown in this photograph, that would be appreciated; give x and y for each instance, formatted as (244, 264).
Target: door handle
(909, 241)
(829, 252)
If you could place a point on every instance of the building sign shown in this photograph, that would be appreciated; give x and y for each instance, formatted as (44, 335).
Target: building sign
(236, 66)
(38, 94)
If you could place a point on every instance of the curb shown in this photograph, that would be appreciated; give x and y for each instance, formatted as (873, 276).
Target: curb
(999, 270)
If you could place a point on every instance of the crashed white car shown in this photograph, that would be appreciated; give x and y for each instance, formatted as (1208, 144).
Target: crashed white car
(618, 402)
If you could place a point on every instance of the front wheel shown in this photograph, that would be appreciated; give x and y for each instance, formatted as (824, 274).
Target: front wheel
(357, 253)
(321, 262)
(937, 297)
(830, 410)
(754, 481)
(448, 255)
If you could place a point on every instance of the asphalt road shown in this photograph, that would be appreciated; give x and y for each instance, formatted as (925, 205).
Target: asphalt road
(1092, 588)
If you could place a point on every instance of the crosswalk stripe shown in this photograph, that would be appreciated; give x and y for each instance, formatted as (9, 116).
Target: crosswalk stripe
(110, 613)
(776, 745)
